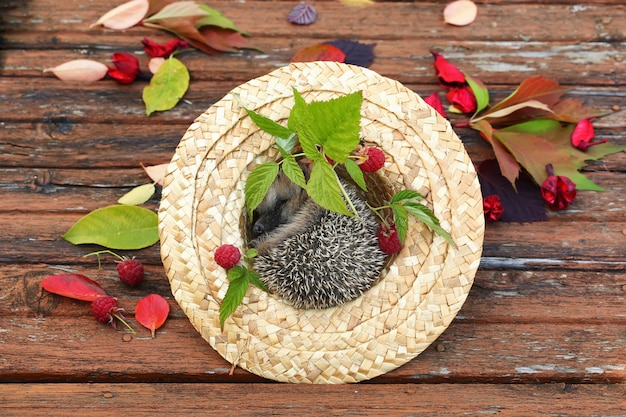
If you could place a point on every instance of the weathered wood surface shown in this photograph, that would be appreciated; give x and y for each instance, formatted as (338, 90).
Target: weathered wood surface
(543, 331)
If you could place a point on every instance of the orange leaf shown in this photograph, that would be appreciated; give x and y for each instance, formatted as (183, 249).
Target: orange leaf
(125, 15)
(85, 70)
(319, 52)
(460, 13)
(151, 312)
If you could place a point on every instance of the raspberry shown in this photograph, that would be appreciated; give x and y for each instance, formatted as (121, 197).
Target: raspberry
(375, 160)
(103, 308)
(227, 256)
(130, 272)
(388, 239)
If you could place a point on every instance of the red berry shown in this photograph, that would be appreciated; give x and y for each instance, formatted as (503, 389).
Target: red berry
(130, 272)
(104, 307)
(227, 256)
(388, 239)
(375, 160)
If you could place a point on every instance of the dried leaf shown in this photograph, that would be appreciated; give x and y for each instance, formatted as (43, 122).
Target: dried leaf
(151, 312)
(319, 52)
(116, 227)
(75, 286)
(124, 16)
(522, 203)
(156, 172)
(138, 195)
(79, 70)
(357, 3)
(302, 13)
(460, 13)
(224, 40)
(534, 88)
(506, 111)
(357, 53)
(167, 86)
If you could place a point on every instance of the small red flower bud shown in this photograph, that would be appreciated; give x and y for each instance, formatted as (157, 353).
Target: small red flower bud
(158, 50)
(492, 207)
(447, 74)
(557, 191)
(463, 99)
(435, 102)
(126, 68)
(583, 134)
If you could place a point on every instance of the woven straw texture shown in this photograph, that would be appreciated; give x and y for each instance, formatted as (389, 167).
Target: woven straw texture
(421, 290)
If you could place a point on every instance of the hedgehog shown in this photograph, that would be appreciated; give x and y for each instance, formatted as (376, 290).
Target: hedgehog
(312, 257)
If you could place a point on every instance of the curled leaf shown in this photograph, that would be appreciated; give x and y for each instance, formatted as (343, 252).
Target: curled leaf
(75, 286)
(302, 13)
(151, 312)
(116, 227)
(79, 70)
(138, 195)
(125, 15)
(460, 12)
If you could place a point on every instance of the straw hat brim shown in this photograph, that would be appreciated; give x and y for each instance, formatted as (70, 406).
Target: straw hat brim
(394, 321)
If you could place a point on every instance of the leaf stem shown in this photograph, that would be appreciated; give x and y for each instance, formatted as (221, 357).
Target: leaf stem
(347, 197)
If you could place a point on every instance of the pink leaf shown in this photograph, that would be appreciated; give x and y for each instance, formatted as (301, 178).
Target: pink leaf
(303, 13)
(125, 15)
(154, 64)
(460, 12)
(151, 312)
(156, 172)
(85, 70)
(75, 286)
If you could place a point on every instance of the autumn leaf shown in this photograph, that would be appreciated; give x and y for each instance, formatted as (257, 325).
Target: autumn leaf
(534, 88)
(573, 111)
(125, 15)
(85, 70)
(319, 52)
(215, 18)
(357, 3)
(509, 167)
(356, 53)
(223, 40)
(75, 286)
(167, 87)
(302, 13)
(151, 312)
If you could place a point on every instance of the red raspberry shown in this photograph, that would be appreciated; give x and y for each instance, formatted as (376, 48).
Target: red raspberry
(227, 256)
(388, 239)
(130, 272)
(375, 160)
(103, 308)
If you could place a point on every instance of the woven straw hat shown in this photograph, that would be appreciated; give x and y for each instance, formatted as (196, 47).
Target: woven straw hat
(420, 292)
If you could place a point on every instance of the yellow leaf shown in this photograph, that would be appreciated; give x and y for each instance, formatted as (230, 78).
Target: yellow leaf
(79, 70)
(125, 15)
(137, 195)
(357, 3)
(460, 12)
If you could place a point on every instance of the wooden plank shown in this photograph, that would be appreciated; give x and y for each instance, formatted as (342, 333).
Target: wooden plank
(573, 400)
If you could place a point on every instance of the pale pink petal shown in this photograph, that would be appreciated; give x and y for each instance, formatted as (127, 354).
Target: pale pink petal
(460, 12)
(125, 15)
(156, 172)
(79, 70)
(155, 63)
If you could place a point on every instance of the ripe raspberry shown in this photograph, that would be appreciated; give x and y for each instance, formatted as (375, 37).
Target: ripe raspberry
(227, 256)
(103, 308)
(388, 239)
(130, 272)
(375, 160)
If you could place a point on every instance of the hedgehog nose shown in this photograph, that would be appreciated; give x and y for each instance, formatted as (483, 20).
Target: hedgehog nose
(258, 228)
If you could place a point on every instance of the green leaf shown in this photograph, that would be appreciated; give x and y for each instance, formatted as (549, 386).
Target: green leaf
(323, 187)
(116, 227)
(236, 272)
(355, 173)
(138, 195)
(334, 125)
(268, 125)
(215, 18)
(179, 10)
(426, 216)
(480, 92)
(405, 195)
(401, 218)
(251, 253)
(298, 111)
(292, 170)
(237, 289)
(255, 280)
(285, 146)
(167, 86)
(259, 181)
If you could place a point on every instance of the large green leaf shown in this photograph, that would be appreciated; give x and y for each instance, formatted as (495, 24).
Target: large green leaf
(259, 181)
(323, 187)
(116, 227)
(237, 288)
(167, 87)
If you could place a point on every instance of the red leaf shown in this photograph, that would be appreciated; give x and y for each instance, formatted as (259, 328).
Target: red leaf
(319, 52)
(75, 286)
(224, 40)
(152, 311)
